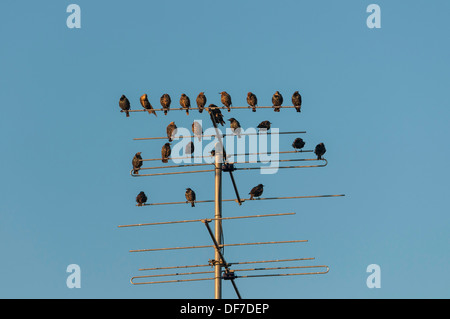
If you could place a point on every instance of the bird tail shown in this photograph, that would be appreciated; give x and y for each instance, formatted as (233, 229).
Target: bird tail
(165, 160)
(277, 109)
(200, 110)
(154, 112)
(187, 112)
(135, 171)
(319, 157)
(229, 109)
(298, 109)
(253, 109)
(165, 112)
(192, 204)
(127, 113)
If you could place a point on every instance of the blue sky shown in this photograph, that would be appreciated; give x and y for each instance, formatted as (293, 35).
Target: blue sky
(377, 98)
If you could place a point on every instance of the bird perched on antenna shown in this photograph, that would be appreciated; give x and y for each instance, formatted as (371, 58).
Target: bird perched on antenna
(136, 162)
(252, 101)
(146, 104)
(124, 104)
(190, 149)
(165, 102)
(235, 127)
(297, 101)
(171, 130)
(264, 125)
(201, 101)
(215, 112)
(185, 102)
(298, 143)
(277, 100)
(190, 196)
(197, 130)
(225, 98)
(256, 191)
(320, 150)
(141, 199)
(165, 153)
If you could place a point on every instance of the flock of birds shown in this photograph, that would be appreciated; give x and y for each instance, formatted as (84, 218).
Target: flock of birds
(214, 111)
(225, 98)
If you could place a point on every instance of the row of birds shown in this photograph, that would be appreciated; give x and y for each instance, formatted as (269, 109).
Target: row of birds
(225, 98)
(166, 151)
(256, 192)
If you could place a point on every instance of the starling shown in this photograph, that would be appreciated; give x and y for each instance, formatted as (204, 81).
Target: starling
(256, 191)
(190, 196)
(213, 153)
(277, 100)
(201, 101)
(297, 101)
(190, 149)
(125, 105)
(137, 163)
(264, 125)
(215, 112)
(252, 100)
(235, 126)
(165, 152)
(298, 143)
(171, 130)
(185, 102)
(197, 130)
(165, 102)
(141, 199)
(146, 104)
(225, 98)
(320, 150)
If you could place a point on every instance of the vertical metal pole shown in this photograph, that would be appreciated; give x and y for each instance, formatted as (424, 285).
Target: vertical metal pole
(218, 222)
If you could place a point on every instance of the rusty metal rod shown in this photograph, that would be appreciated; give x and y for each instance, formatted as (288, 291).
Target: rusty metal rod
(222, 245)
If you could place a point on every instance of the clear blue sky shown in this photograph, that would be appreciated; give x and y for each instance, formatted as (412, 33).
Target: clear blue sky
(377, 98)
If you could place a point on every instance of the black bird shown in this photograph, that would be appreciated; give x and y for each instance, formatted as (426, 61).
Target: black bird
(252, 100)
(185, 102)
(277, 100)
(297, 101)
(201, 101)
(146, 104)
(235, 126)
(190, 196)
(298, 143)
(320, 150)
(165, 102)
(264, 125)
(165, 152)
(256, 191)
(141, 199)
(213, 153)
(225, 98)
(197, 130)
(190, 149)
(124, 104)
(171, 130)
(216, 113)
(136, 162)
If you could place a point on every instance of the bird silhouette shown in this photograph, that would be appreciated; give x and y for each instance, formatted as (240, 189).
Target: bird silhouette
(124, 104)
(190, 196)
(171, 130)
(235, 126)
(146, 104)
(277, 100)
(165, 153)
(190, 149)
(256, 191)
(297, 101)
(225, 98)
(165, 102)
(298, 143)
(197, 130)
(137, 162)
(252, 100)
(264, 125)
(185, 102)
(201, 101)
(215, 112)
(141, 199)
(320, 150)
